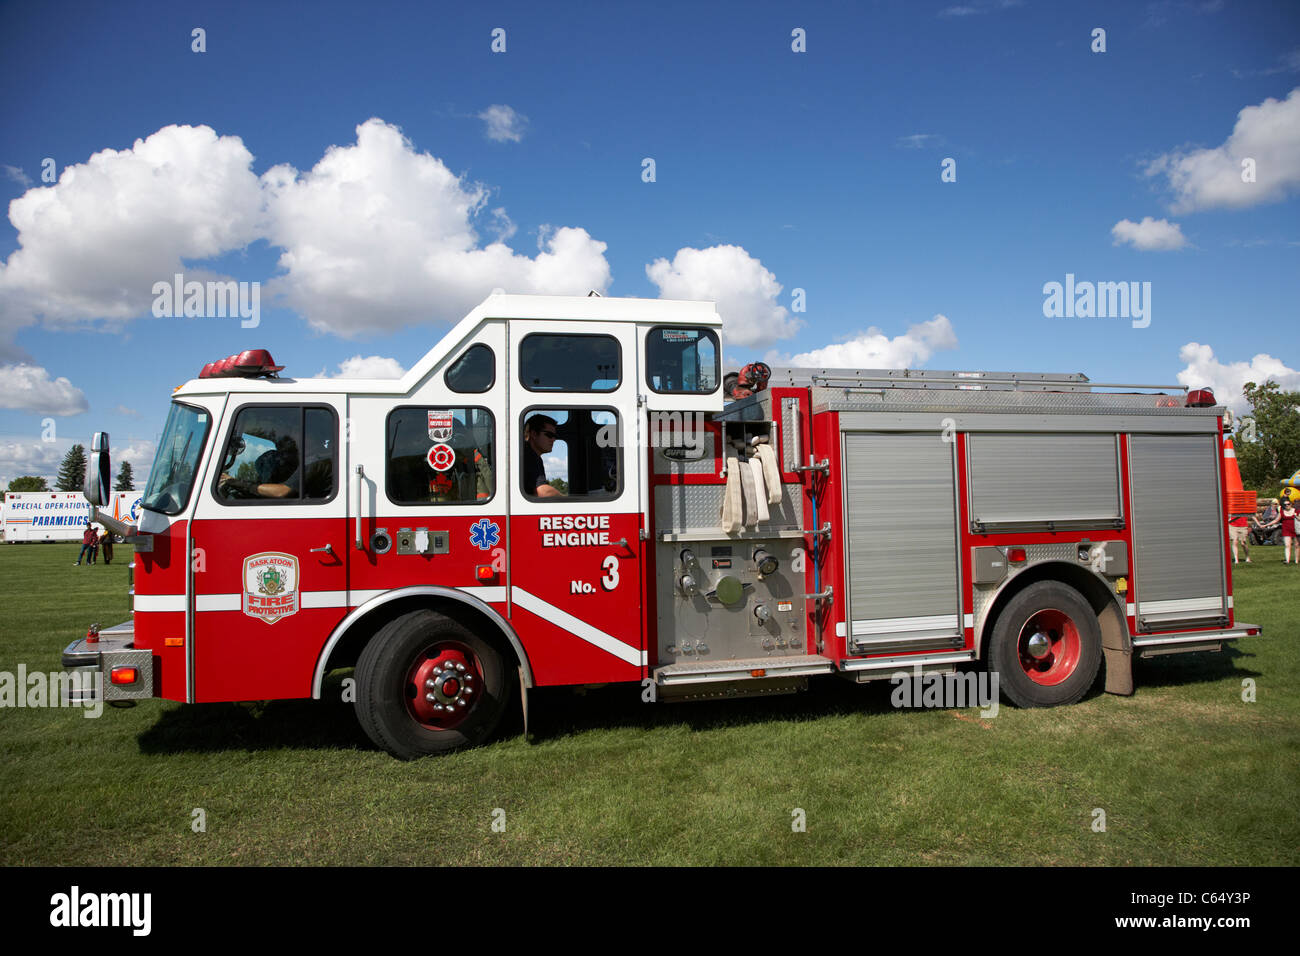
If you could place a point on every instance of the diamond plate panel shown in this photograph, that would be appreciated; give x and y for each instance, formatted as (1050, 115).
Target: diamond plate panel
(704, 466)
(790, 450)
(918, 399)
(699, 508)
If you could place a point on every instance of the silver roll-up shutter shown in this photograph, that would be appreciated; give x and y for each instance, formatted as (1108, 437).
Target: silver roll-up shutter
(902, 548)
(1178, 530)
(1033, 478)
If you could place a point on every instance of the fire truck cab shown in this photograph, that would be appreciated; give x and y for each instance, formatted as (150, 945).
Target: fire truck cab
(562, 492)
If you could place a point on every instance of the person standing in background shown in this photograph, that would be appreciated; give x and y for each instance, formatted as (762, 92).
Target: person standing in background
(107, 540)
(1287, 517)
(87, 542)
(1239, 532)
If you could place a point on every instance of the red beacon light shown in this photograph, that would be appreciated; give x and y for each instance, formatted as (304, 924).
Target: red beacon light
(250, 363)
(1200, 398)
(255, 362)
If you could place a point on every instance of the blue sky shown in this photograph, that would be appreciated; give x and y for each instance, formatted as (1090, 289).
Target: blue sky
(775, 170)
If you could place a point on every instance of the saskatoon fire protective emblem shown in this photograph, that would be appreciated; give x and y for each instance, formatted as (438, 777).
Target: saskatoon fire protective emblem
(270, 586)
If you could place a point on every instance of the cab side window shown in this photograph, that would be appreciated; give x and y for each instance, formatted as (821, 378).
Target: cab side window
(440, 455)
(681, 360)
(285, 454)
(570, 362)
(571, 453)
(474, 371)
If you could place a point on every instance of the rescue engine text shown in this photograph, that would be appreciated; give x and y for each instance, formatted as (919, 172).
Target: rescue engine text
(579, 535)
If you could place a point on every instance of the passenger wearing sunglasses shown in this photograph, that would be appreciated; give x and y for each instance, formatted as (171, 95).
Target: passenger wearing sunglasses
(539, 438)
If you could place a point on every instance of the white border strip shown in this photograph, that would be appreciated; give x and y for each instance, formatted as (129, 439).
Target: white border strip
(158, 602)
(1214, 603)
(896, 624)
(310, 599)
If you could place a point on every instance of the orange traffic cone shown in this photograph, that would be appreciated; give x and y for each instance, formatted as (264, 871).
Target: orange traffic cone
(1240, 501)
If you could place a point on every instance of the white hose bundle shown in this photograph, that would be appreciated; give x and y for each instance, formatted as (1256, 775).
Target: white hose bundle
(771, 473)
(750, 491)
(760, 495)
(731, 497)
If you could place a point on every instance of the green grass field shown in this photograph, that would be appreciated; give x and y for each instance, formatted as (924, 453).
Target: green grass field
(1186, 771)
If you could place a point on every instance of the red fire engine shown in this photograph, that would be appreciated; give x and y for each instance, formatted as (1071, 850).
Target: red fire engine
(565, 491)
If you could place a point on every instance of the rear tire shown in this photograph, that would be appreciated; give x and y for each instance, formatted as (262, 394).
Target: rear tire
(427, 684)
(1045, 646)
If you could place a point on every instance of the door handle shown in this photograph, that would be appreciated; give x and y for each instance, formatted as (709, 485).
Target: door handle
(361, 480)
(328, 549)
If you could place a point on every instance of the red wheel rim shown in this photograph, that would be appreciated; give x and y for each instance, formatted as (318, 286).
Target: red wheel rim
(443, 685)
(1049, 647)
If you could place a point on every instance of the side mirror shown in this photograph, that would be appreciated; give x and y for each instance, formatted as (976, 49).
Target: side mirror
(99, 469)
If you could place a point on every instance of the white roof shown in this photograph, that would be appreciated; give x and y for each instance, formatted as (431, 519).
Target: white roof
(570, 308)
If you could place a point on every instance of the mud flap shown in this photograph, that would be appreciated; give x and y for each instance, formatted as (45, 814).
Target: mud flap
(1117, 650)
(523, 701)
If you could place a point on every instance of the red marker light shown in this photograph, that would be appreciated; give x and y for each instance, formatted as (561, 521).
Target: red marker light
(484, 572)
(123, 675)
(1016, 554)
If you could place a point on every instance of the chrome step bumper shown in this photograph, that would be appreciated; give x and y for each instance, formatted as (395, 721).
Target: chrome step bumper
(115, 649)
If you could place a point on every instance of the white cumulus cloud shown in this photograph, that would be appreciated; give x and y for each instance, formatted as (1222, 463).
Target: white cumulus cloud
(744, 290)
(1226, 379)
(874, 349)
(30, 387)
(370, 366)
(377, 236)
(93, 244)
(1266, 139)
(1149, 234)
(504, 124)
(21, 455)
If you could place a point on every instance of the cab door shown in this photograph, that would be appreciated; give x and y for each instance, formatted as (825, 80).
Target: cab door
(269, 550)
(576, 556)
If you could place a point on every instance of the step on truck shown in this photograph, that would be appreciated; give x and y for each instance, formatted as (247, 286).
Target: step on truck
(566, 491)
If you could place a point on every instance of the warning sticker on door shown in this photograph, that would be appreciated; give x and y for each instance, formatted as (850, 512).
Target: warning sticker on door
(440, 425)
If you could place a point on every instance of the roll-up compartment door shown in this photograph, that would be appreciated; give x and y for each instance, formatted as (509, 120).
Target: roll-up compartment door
(1178, 531)
(901, 548)
(1030, 479)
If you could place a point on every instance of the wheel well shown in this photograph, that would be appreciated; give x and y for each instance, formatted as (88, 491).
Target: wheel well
(1092, 589)
(348, 650)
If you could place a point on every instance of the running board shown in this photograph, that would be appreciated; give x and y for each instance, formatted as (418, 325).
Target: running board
(753, 668)
(1187, 642)
(861, 670)
(728, 680)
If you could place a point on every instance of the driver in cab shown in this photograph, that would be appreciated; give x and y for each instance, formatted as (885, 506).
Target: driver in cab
(277, 473)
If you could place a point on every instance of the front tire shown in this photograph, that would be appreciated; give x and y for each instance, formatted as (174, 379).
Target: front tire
(1046, 646)
(427, 684)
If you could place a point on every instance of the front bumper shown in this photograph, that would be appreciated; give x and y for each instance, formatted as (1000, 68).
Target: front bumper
(114, 651)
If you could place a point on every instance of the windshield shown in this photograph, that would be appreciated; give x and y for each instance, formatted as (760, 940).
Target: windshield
(172, 475)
